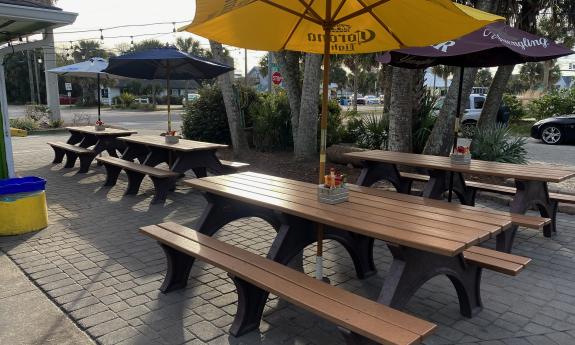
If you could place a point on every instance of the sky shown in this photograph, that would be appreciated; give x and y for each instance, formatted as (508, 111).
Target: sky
(109, 13)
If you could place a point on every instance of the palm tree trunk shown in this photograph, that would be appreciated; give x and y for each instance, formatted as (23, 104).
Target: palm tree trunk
(387, 84)
(441, 138)
(306, 145)
(355, 86)
(401, 111)
(239, 142)
(290, 69)
(493, 100)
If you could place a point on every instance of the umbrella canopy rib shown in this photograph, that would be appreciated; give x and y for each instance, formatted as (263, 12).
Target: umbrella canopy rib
(380, 22)
(364, 10)
(295, 28)
(308, 8)
(295, 13)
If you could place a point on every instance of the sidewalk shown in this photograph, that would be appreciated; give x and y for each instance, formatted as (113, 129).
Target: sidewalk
(28, 316)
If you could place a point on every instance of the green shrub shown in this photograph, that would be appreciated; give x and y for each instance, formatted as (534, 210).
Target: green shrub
(495, 143)
(423, 121)
(271, 121)
(372, 132)
(205, 118)
(25, 123)
(126, 99)
(56, 123)
(335, 127)
(554, 103)
(516, 108)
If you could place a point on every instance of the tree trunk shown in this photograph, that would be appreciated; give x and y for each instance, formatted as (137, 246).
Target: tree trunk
(493, 100)
(290, 69)
(401, 111)
(387, 84)
(546, 73)
(355, 86)
(440, 140)
(239, 142)
(305, 147)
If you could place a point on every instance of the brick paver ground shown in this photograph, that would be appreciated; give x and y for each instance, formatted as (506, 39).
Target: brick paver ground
(94, 265)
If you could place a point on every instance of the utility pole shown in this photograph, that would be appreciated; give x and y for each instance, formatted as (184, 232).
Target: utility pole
(30, 78)
(270, 71)
(246, 66)
(39, 100)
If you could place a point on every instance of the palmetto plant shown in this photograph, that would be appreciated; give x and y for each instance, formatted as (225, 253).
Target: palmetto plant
(495, 143)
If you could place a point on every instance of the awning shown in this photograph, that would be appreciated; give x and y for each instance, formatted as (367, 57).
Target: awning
(19, 19)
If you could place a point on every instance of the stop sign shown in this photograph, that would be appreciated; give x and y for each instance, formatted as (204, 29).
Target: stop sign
(277, 78)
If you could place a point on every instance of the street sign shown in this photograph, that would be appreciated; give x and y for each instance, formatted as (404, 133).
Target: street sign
(68, 86)
(277, 78)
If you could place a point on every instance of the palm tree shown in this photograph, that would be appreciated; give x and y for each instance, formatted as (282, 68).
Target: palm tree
(190, 46)
(358, 63)
(443, 72)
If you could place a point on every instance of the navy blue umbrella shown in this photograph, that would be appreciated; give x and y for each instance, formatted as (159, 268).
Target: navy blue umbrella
(165, 63)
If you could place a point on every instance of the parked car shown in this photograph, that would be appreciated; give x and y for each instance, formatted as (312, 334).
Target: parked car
(472, 111)
(65, 100)
(360, 101)
(370, 99)
(142, 100)
(555, 130)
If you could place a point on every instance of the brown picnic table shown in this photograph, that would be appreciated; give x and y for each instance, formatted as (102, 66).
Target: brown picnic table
(152, 150)
(530, 181)
(425, 240)
(106, 140)
(86, 143)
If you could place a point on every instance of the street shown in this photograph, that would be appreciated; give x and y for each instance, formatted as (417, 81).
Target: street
(116, 117)
(157, 120)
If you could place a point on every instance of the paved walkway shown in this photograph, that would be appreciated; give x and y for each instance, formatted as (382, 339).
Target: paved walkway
(94, 265)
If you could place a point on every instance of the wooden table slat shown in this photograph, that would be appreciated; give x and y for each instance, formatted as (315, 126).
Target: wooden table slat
(477, 167)
(401, 212)
(336, 219)
(413, 224)
(182, 145)
(106, 132)
(408, 202)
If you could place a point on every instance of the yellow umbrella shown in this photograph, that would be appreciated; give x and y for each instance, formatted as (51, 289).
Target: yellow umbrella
(334, 27)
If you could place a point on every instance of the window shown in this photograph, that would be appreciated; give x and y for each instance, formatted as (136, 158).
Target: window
(572, 65)
(478, 102)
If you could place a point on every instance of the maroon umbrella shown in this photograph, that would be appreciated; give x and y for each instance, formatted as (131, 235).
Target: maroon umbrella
(493, 45)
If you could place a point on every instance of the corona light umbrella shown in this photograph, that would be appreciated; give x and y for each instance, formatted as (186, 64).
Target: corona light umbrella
(333, 27)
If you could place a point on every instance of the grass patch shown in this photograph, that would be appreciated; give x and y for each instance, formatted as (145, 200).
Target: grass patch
(521, 128)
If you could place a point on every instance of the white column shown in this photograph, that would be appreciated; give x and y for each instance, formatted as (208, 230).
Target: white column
(6, 120)
(52, 93)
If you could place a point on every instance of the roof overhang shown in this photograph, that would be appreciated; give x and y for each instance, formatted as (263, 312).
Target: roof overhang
(20, 21)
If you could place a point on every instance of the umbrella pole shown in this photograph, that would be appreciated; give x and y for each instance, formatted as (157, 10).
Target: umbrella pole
(99, 92)
(456, 134)
(323, 135)
(169, 98)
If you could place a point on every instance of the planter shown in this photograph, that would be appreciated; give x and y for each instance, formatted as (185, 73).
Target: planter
(460, 158)
(22, 205)
(172, 139)
(332, 196)
(100, 128)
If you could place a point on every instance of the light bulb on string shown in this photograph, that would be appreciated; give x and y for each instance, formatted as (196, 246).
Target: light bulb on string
(132, 40)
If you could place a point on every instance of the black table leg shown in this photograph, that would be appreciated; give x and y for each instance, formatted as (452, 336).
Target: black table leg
(198, 161)
(75, 138)
(529, 194)
(411, 268)
(135, 151)
(439, 183)
(373, 172)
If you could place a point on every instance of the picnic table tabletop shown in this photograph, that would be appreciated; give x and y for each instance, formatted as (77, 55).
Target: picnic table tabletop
(183, 145)
(433, 229)
(529, 172)
(106, 132)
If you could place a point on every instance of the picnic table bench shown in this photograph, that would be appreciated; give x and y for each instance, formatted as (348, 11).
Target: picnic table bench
(425, 240)
(80, 141)
(152, 151)
(531, 181)
(361, 321)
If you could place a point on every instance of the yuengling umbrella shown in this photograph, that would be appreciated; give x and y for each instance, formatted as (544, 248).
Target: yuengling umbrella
(494, 45)
(165, 63)
(87, 69)
(332, 27)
